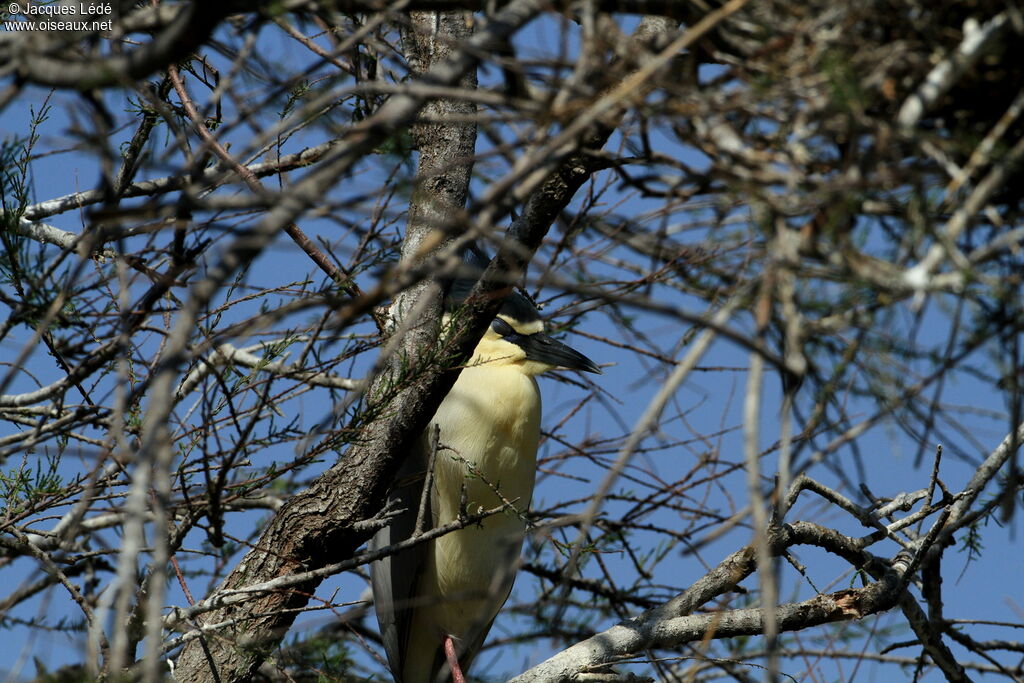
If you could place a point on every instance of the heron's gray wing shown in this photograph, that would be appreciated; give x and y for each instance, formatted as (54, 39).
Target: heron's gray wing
(395, 577)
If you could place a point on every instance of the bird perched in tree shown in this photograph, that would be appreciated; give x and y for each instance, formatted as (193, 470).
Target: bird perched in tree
(436, 601)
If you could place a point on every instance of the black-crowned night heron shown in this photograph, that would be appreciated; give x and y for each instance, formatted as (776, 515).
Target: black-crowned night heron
(436, 601)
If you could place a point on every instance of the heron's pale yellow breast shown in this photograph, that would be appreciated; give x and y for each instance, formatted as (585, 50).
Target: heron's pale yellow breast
(490, 427)
(489, 430)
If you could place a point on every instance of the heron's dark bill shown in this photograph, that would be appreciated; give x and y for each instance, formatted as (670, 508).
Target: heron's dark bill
(541, 348)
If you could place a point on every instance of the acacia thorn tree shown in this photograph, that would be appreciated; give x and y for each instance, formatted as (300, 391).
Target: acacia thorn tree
(790, 232)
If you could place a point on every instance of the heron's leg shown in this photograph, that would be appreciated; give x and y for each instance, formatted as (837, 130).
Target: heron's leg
(453, 661)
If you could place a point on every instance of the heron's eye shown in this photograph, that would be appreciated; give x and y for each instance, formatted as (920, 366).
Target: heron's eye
(502, 328)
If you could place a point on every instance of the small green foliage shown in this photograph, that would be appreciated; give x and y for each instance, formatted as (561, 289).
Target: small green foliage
(24, 485)
(970, 542)
(321, 658)
(299, 92)
(843, 81)
(74, 673)
(399, 145)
